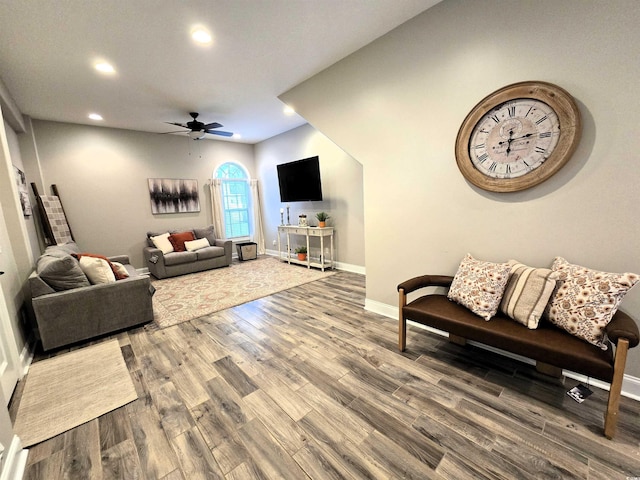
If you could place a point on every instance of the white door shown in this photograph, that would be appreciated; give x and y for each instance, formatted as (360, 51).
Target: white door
(8, 353)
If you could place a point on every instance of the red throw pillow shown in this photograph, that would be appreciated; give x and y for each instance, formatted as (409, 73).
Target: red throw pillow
(118, 275)
(178, 239)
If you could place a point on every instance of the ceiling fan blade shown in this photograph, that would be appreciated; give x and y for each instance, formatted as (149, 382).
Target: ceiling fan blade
(176, 131)
(218, 132)
(177, 124)
(212, 125)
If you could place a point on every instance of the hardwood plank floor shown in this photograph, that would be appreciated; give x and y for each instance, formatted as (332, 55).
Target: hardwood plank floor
(305, 384)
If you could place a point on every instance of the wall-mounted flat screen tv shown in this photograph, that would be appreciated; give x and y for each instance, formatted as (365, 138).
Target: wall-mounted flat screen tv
(299, 181)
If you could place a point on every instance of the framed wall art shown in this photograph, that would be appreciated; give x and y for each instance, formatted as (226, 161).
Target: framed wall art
(23, 193)
(170, 195)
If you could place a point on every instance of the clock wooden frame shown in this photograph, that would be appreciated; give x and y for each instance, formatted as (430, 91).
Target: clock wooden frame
(570, 123)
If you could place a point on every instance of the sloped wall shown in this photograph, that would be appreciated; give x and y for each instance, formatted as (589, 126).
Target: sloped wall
(396, 107)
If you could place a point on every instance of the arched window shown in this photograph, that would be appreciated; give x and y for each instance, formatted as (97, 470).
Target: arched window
(236, 201)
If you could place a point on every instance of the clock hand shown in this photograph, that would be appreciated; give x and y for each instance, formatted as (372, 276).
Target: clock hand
(525, 136)
(509, 142)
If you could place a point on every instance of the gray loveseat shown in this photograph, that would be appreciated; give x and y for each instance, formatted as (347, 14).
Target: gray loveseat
(170, 264)
(69, 309)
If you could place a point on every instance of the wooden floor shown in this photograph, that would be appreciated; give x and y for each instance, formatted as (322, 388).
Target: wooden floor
(306, 384)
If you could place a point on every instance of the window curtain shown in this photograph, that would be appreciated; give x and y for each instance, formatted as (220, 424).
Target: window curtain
(258, 230)
(217, 210)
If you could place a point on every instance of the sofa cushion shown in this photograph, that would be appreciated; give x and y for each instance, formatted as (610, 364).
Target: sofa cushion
(527, 293)
(209, 233)
(479, 285)
(210, 252)
(162, 242)
(177, 258)
(585, 300)
(177, 240)
(196, 244)
(61, 271)
(97, 270)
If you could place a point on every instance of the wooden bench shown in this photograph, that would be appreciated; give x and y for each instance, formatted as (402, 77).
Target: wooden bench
(552, 348)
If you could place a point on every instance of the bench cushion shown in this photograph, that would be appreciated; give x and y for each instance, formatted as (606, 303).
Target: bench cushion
(547, 343)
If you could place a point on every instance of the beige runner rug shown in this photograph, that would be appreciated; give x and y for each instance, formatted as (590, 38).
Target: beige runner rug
(186, 297)
(68, 390)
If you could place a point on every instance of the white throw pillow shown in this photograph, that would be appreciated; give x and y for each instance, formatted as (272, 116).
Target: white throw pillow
(120, 268)
(162, 242)
(97, 270)
(194, 245)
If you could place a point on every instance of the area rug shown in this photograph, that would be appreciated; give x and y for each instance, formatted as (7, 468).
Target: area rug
(186, 297)
(63, 392)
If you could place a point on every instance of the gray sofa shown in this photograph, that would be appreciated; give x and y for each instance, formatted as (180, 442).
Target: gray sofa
(163, 265)
(69, 309)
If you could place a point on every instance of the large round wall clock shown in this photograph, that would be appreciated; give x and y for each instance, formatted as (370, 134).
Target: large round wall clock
(518, 136)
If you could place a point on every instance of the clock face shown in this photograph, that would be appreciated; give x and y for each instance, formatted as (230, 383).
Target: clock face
(514, 138)
(518, 136)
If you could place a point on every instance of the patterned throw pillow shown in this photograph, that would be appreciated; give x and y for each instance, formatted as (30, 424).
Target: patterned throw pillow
(479, 286)
(585, 300)
(527, 293)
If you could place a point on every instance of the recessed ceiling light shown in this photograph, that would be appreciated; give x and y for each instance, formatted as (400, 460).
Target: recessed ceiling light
(288, 110)
(95, 116)
(104, 67)
(201, 36)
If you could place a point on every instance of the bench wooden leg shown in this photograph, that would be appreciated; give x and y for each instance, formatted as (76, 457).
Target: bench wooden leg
(550, 370)
(402, 322)
(613, 405)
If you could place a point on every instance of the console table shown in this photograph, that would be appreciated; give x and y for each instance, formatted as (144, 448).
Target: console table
(317, 261)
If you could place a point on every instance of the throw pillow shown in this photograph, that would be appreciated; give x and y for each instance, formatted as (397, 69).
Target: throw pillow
(479, 285)
(61, 271)
(115, 271)
(527, 293)
(177, 240)
(119, 270)
(196, 244)
(585, 300)
(162, 242)
(209, 233)
(97, 270)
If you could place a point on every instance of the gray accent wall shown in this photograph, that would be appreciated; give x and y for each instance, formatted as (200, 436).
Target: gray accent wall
(397, 104)
(342, 192)
(101, 174)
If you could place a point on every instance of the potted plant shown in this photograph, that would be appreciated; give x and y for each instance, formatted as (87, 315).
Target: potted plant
(322, 219)
(302, 253)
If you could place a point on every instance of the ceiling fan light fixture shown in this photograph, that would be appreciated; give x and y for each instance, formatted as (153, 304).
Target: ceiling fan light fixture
(196, 134)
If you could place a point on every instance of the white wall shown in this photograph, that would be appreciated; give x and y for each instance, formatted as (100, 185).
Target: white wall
(102, 173)
(341, 178)
(397, 104)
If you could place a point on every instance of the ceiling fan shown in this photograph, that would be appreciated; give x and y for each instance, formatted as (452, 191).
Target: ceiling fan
(199, 129)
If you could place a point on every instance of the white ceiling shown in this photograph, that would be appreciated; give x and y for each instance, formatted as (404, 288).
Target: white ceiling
(260, 49)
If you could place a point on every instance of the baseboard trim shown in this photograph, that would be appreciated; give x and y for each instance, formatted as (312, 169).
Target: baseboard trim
(630, 385)
(346, 267)
(14, 461)
(26, 356)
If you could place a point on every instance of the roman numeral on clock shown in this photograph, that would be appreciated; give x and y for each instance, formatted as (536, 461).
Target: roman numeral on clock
(545, 135)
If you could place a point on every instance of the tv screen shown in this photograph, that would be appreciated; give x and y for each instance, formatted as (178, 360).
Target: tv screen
(300, 180)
